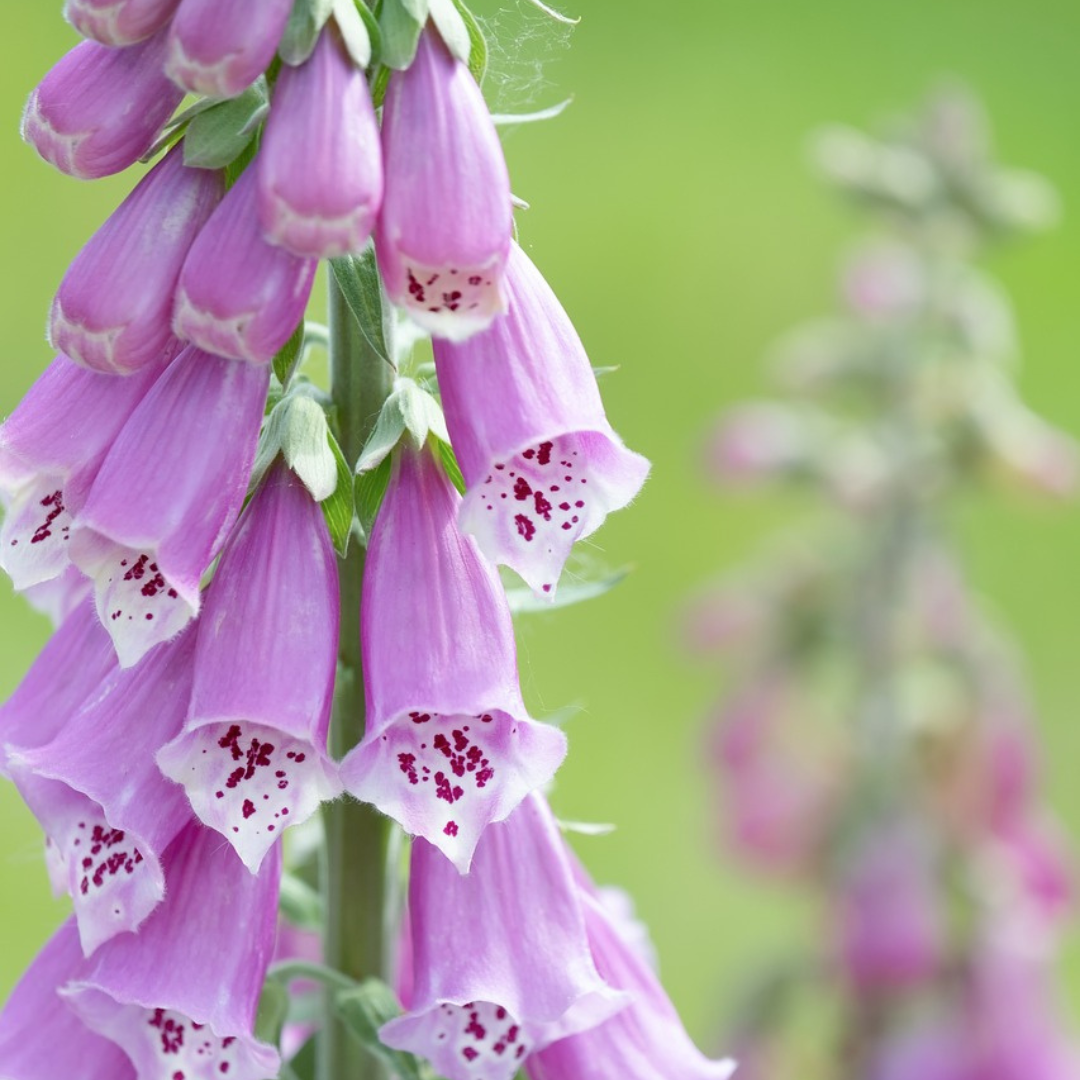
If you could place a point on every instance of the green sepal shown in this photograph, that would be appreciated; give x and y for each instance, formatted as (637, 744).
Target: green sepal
(418, 9)
(358, 278)
(273, 1010)
(372, 25)
(306, 21)
(452, 28)
(450, 464)
(369, 489)
(339, 509)
(235, 169)
(300, 904)
(363, 1010)
(523, 602)
(217, 136)
(478, 49)
(399, 30)
(288, 356)
(354, 32)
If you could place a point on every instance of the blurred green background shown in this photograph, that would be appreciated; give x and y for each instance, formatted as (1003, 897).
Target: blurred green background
(673, 211)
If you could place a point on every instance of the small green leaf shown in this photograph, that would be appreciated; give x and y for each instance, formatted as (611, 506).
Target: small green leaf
(450, 464)
(389, 428)
(273, 1008)
(452, 28)
(523, 602)
(289, 355)
(339, 509)
(418, 9)
(370, 488)
(358, 278)
(306, 21)
(354, 32)
(217, 137)
(235, 169)
(478, 50)
(400, 32)
(306, 445)
(363, 1011)
(300, 904)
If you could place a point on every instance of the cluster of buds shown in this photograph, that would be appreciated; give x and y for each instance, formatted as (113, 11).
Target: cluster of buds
(878, 748)
(177, 494)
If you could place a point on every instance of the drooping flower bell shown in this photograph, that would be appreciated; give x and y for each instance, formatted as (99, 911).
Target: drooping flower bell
(113, 310)
(220, 47)
(252, 754)
(75, 659)
(51, 448)
(444, 231)
(319, 167)
(100, 109)
(522, 974)
(118, 22)
(167, 495)
(108, 812)
(180, 996)
(542, 465)
(240, 296)
(448, 746)
(644, 1041)
(41, 1038)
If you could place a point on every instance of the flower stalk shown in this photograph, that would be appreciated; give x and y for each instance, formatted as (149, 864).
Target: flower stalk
(355, 861)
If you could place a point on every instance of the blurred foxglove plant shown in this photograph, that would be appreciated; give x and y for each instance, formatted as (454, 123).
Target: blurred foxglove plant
(877, 748)
(271, 592)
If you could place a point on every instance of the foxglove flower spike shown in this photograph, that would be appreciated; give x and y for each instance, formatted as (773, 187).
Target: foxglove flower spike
(252, 754)
(449, 746)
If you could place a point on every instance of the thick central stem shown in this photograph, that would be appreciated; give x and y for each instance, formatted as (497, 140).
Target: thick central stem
(357, 835)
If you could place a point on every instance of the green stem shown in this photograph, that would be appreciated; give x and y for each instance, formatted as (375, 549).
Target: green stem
(357, 836)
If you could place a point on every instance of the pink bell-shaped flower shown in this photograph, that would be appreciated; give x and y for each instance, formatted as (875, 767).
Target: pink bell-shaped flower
(113, 310)
(51, 448)
(75, 659)
(118, 22)
(252, 754)
(645, 1041)
(41, 1038)
(180, 996)
(319, 167)
(108, 812)
(478, 1010)
(220, 47)
(239, 296)
(444, 231)
(542, 464)
(100, 109)
(449, 747)
(166, 497)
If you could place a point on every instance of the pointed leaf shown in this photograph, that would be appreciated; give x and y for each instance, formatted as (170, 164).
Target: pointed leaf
(306, 21)
(389, 428)
(400, 32)
(339, 509)
(478, 50)
(370, 488)
(305, 442)
(523, 602)
(452, 28)
(289, 355)
(358, 278)
(217, 137)
(450, 464)
(363, 1011)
